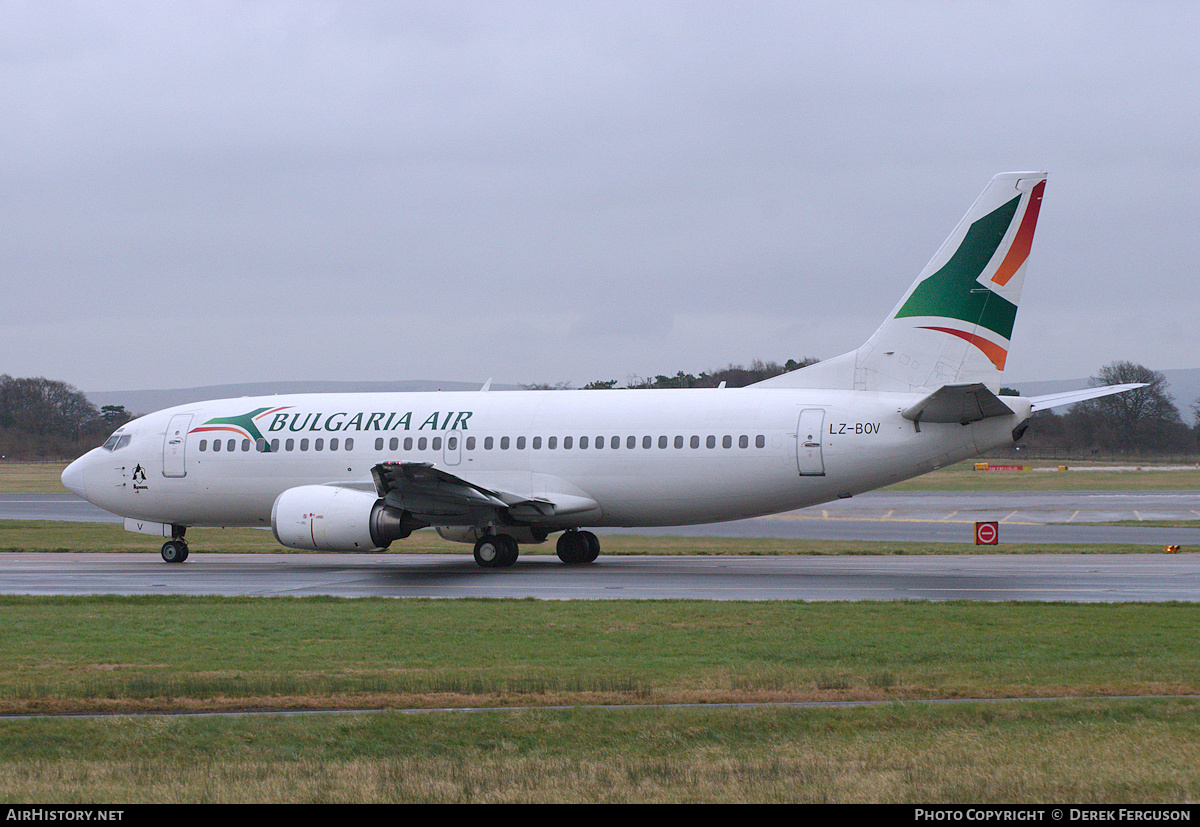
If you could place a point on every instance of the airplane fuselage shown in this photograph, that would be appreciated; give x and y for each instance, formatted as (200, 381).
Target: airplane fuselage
(643, 457)
(358, 471)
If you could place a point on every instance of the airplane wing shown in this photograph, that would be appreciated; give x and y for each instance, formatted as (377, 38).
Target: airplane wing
(441, 498)
(1057, 400)
(958, 403)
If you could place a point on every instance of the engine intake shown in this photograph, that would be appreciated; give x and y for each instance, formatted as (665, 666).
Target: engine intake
(333, 518)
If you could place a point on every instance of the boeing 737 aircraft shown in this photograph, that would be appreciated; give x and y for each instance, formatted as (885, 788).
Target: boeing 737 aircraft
(356, 472)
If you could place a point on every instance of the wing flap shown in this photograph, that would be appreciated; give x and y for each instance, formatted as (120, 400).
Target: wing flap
(441, 498)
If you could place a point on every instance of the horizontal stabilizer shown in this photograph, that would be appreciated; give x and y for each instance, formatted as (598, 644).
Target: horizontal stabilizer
(1057, 400)
(958, 403)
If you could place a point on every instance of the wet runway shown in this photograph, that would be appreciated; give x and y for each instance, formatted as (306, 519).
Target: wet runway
(1054, 577)
(1024, 517)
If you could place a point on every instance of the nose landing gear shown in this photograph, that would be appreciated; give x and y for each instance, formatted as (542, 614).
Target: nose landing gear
(175, 550)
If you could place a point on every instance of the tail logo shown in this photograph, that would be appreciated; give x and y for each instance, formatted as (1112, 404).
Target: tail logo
(955, 291)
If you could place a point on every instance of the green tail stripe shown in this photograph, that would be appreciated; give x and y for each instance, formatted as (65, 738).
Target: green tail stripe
(954, 292)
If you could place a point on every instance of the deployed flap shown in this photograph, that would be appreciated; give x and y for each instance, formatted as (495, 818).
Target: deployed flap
(958, 403)
(1057, 400)
(442, 498)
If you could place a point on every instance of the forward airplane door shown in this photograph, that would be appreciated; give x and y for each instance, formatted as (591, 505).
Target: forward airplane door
(808, 443)
(174, 445)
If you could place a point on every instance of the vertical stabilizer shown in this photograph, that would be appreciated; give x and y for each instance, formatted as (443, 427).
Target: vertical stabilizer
(954, 324)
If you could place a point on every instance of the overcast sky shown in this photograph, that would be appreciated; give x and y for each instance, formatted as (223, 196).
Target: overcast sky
(202, 193)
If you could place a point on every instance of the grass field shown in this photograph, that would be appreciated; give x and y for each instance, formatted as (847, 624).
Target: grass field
(547, 667)
(174, 654)
(1077, 752)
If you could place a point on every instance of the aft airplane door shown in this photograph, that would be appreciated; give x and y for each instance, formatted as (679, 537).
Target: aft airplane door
(808, 443)
(174, 443)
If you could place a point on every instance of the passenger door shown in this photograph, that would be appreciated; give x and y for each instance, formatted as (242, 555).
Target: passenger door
(175, 445)
(809, 461)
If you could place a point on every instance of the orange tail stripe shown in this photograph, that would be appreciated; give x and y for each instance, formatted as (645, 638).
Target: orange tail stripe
(1019, 251)
(991, 350)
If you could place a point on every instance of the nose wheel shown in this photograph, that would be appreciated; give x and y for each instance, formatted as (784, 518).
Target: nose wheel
(174, 551)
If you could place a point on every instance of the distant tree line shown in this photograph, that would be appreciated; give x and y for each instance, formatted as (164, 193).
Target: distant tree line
(734, 376)
(45, 419)
(1144, 422)
(1140, 423)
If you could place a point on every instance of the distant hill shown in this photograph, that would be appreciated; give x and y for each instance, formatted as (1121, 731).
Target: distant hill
(142, 402)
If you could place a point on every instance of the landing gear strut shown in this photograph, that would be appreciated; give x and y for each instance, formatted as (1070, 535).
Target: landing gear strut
(578, 547)
(175, 550)
(494, 551)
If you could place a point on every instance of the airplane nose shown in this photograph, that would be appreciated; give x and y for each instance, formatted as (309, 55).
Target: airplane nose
(72, 478)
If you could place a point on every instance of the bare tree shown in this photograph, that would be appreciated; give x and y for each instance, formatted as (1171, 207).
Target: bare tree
(1143, 419)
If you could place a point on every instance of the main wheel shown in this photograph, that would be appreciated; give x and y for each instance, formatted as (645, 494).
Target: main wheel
(511, 550)
(174, 551)
(496, 551)
(593, 547)
(577, 547)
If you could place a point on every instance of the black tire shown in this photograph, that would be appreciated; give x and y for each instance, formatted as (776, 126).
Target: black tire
(174, 551)
(489, 551)
(593, 547)
(573, 548)
(511, 550)
(496, 551)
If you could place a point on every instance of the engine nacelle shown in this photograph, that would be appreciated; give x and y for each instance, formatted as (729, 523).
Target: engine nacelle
(332, 518)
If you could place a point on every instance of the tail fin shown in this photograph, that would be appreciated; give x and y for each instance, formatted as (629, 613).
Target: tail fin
(954, 324)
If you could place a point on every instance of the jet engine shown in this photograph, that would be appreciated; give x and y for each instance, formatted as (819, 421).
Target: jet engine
(333, 518)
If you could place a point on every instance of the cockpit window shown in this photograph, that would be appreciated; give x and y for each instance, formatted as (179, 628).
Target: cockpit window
(116, 442)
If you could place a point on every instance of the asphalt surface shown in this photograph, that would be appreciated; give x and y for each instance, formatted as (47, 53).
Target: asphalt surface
(1052, 577)
(1023, 517)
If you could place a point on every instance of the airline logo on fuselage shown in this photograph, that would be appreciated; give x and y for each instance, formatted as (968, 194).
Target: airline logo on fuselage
(257, 424)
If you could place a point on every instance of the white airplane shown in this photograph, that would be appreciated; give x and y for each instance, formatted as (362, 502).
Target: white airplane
(355, 472)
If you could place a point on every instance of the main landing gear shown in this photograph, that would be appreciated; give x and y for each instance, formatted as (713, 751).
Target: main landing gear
(578, 547)
(497, 551)
(175, 550)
